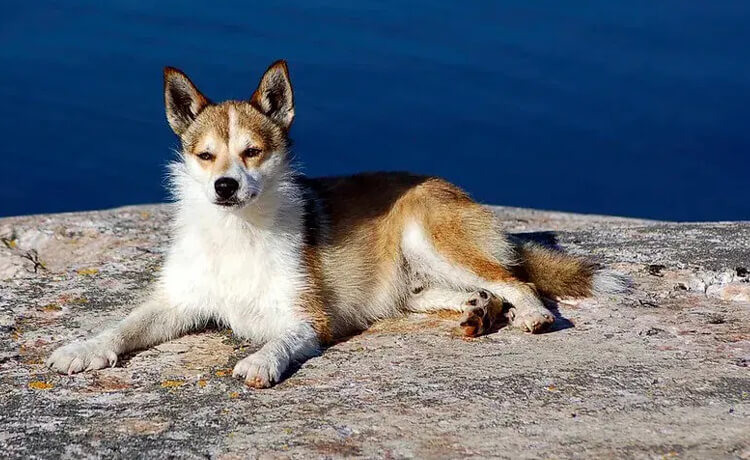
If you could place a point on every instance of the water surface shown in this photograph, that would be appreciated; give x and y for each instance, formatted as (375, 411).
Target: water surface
(636, 108)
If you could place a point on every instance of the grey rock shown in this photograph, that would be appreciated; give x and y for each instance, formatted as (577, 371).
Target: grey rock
(660, 372)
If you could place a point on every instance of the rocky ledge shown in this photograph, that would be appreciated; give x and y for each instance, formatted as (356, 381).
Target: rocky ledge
(661, 372)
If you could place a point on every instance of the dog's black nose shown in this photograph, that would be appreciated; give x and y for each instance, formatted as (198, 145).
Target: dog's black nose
(226, 187)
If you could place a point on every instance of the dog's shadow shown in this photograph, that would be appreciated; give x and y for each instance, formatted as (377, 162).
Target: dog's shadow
(546, 238)
(561, 323)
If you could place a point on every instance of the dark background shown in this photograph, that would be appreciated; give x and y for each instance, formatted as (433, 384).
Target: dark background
(636, 108)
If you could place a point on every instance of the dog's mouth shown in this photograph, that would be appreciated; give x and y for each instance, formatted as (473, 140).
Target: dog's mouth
(230, 203)
(234, 201)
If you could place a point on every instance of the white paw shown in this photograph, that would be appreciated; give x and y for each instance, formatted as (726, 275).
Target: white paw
(82, 356)
(259, 370)
(531, 319)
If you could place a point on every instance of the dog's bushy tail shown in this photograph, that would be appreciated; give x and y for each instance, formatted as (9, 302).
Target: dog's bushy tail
(556, 274)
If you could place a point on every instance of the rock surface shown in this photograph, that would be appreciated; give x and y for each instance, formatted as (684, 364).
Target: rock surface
(661, 372)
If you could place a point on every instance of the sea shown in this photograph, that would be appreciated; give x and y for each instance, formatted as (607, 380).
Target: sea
(633, 108)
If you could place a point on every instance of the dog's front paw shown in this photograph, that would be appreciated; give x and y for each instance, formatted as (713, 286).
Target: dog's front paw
(259, 370)
(82, 356)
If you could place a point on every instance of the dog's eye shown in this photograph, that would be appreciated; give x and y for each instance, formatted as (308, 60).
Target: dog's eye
(205, 156)
(250, 152)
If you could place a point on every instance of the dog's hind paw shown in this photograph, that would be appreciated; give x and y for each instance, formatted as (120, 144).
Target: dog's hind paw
(532, 320)
(482, 312)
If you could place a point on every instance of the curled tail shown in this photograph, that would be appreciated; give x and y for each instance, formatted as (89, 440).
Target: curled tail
(557, 274)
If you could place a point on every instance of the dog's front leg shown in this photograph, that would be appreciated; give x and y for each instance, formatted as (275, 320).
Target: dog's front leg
(266, 366)
(153, 322)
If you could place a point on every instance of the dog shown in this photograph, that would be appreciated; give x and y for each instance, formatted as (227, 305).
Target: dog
(296, 263)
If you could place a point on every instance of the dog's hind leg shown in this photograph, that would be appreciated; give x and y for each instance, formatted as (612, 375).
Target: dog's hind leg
(457, 243)
(433, 298)
(153, 322)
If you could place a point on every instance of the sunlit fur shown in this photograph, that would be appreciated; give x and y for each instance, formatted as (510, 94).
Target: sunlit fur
(296, 263)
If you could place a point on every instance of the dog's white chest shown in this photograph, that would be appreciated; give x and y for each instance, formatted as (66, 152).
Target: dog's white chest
(249, 282)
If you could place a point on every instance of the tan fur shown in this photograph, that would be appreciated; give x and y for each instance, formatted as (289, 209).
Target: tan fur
(361, 255)
(313, 300)
(554, 273)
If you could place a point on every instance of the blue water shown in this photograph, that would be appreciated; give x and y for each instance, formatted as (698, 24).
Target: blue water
(628, 107)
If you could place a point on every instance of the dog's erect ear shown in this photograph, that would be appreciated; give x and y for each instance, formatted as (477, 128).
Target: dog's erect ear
(274, 95)
(182, 100)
